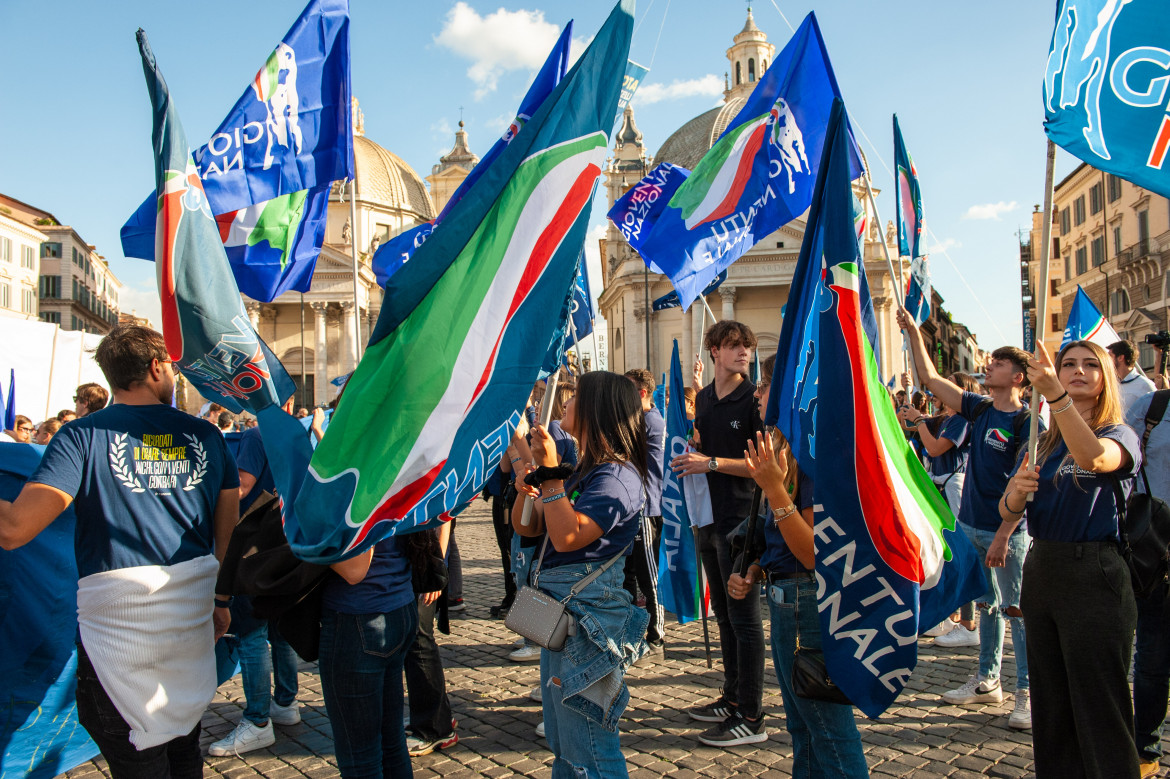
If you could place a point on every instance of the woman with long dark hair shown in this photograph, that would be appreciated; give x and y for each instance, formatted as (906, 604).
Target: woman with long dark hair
(590, 514)
(1077, 600)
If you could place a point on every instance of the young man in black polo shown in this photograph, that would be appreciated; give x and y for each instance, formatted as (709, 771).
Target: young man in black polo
(726, 417)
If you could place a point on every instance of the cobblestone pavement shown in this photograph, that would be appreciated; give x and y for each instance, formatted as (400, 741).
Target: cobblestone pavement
(920, 736)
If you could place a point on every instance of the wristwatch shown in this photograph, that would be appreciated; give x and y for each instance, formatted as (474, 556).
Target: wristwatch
(713, 465)
(781, 514)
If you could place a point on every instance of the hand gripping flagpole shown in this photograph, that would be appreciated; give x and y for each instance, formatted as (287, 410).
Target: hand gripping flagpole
(1041, 299)
(546, 406)
(898, 288)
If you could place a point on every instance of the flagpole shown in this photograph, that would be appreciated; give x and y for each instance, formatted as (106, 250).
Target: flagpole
(303, 402)
(1042, 297)
(890, 267)
(546, 406)
(357, 319)
(702, 604)
(576, 345)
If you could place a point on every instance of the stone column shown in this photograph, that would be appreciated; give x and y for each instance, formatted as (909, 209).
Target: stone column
(727, 294)
(348, 338)
(320, 373)
(253, 310)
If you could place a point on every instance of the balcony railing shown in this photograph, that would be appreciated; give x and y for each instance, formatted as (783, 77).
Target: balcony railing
(1158, 246)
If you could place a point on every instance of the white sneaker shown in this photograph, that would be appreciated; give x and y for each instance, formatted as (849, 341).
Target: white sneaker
(1021, 716)
(540, 729)
(536, 694)
(942, 628)
(246, 737)
(285, 715)
(959, 636)
(976, 690)
(529, 653)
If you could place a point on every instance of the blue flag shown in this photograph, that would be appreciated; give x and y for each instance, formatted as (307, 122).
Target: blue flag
(207, 331)
(888, 558)
(1085, 323)
(10, 405)
(757, 177)
(911, 225)
(582, 307)
(394, 253)
(268, 167)
(670, 299)
(1105, 88)
(679, 583)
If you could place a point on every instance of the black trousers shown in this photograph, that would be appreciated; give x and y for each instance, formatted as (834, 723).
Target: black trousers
(642, 574)
(1080, 615)
(502, 524)
(741, 628)
(430, 709)
(179, 758)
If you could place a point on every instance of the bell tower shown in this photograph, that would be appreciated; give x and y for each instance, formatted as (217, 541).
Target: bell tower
(749, 56)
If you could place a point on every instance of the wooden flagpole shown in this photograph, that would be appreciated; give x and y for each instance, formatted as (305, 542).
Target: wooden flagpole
(1042, 297)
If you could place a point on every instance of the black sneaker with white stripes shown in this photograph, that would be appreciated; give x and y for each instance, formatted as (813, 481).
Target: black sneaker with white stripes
(715, 711)
(734, 731)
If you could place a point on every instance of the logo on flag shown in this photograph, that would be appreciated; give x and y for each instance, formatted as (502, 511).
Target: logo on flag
(1106, 91)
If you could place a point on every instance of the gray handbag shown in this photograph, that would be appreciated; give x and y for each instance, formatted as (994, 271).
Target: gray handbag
(540, 617)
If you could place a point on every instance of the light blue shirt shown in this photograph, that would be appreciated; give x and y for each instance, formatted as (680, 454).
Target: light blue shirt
(1157, 449)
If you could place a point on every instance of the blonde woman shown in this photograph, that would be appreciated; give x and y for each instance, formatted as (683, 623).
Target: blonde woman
(1078, 604)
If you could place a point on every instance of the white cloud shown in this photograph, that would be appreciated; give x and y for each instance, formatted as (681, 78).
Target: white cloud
(709, 85)
(442, 128)
(938, 247)
(497, 43)
(990, 210)
(142, 300)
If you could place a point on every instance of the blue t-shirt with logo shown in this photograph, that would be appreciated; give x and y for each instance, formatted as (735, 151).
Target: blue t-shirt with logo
(252, 459)
(145, 481)
(610, 494)
(387, 586)
(991, 460)
(1080, 505)
(954, 429)
(655, 449)
(777, 557)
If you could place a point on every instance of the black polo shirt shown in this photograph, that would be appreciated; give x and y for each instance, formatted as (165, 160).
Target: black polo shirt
(725, 425)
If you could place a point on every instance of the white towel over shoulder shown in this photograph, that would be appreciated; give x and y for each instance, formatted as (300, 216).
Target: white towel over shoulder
(149, 634)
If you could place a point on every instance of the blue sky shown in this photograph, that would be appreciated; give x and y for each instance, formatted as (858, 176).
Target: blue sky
(963, 78)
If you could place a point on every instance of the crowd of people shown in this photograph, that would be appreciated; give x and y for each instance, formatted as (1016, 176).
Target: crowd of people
(577, 513)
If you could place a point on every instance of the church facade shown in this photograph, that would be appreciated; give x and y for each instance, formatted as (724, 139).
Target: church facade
(757, 284)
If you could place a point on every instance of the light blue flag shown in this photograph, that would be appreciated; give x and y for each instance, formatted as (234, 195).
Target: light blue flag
(1105, 87)
(679, 583)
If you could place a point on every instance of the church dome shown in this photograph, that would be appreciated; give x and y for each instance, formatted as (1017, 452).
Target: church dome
(384, 179)
(690, 142)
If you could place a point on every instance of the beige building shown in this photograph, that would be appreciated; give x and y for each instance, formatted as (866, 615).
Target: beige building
(71, 284)
(20, 252)
(757, 283)
(1114, 241)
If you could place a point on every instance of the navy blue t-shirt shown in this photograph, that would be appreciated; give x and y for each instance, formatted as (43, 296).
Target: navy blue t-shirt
(777, 557)
(253, 460)
(1083, 508)
(611, 495)
(387, 586)
(566, 446)
(655, 450)
(145, 481)
(990, 460)
(954, 429)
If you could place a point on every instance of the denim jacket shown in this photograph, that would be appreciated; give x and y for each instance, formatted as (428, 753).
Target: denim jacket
(609, 638)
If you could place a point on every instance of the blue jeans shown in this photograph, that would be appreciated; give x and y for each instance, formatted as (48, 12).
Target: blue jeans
(584, 691)
(258, 666)
(361, 680)
(825, 741)
(1005, 586)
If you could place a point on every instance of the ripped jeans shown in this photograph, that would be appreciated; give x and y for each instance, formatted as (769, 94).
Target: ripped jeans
(1004, 593)
(583, 685)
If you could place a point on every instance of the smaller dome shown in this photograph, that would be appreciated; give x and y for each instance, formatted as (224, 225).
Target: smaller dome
(384, 178)
(690, 142)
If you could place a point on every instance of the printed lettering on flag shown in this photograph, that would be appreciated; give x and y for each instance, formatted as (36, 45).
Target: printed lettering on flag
(1106, 94)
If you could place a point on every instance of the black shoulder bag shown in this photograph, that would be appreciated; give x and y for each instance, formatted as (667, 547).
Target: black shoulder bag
(1144, 520)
